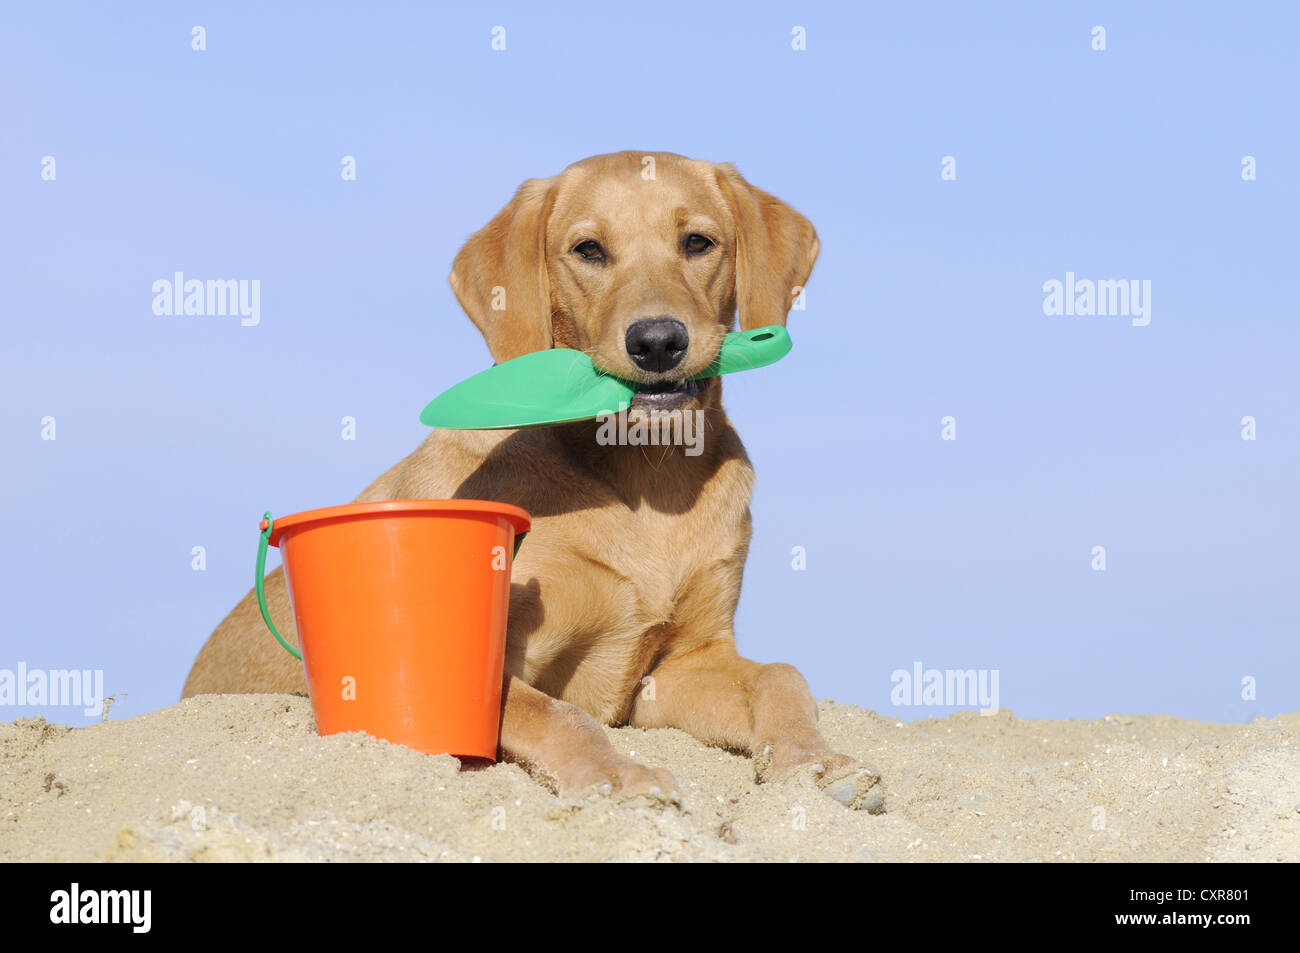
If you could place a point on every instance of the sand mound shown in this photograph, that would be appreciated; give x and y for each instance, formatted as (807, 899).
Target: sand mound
(245, 777)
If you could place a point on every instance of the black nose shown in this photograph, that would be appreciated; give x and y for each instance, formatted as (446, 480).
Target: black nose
(657, 344)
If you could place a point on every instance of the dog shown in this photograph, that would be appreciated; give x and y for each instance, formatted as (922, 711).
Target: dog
(622, 600)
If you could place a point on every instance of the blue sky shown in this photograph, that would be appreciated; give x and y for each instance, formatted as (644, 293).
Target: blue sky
(974, 553)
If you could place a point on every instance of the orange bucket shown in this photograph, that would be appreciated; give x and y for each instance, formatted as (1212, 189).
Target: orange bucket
(401, 611)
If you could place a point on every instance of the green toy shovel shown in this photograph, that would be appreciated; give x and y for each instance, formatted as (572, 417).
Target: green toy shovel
(562, 385)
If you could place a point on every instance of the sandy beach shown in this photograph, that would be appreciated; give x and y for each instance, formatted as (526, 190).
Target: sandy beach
(245, 778)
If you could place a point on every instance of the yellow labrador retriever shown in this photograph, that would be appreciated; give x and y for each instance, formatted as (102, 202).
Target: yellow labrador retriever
(622, 599)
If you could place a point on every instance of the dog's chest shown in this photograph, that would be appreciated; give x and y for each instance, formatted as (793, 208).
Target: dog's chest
(603, 590)
(607, 614)
(661, 558)
(645, 565)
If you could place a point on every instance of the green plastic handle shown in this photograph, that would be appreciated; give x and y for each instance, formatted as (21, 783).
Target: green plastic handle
(262, 543)
(747, 350)
(260, 579)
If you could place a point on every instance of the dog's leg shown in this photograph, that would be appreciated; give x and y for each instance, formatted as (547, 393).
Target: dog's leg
(564, 746)
(767, 710)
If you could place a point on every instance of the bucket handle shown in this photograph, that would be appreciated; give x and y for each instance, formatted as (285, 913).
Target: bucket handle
(266, 526)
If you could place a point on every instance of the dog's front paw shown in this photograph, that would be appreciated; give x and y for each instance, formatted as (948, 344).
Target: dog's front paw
(840, 777)
(622, 779)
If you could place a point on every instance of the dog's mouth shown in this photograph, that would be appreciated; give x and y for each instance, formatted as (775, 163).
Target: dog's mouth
(667, 395)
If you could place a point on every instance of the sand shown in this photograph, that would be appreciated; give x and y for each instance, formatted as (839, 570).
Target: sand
(245, 778)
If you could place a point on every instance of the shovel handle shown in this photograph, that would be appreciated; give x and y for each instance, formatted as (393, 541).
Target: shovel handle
(746, 350)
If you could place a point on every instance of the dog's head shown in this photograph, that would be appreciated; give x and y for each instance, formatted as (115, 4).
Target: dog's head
(641, 260)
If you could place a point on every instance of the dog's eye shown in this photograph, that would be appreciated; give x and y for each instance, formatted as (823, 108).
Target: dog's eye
(589, 251)
(696, 244)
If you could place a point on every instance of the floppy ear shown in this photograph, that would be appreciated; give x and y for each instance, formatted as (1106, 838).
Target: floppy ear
(775, 251)
(499, 276)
